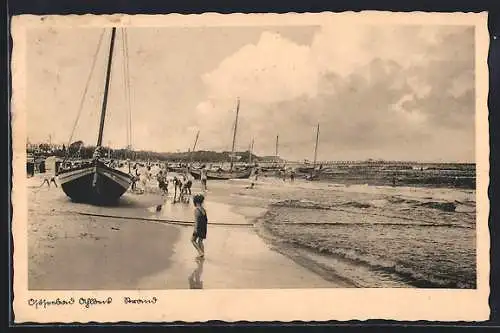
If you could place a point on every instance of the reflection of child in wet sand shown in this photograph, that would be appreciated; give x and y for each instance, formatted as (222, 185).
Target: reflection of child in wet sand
(194, 279)
(200, 226)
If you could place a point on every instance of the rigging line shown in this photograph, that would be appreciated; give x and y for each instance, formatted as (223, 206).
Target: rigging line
(129, 88)
(160, 220)
(85, 91)
(123, 68)
(126, 90)
(125, 38)
(125, 83)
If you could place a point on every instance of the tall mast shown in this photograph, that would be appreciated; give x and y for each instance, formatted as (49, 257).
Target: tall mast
(250, 154)
(194, 147)
(316, 146)
(276, 152)
(106, 87)
(234, 133)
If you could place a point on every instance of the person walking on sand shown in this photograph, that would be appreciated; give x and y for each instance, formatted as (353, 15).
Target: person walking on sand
(182, 183)
(135, 178)
(203, 178)
(200, 225)
(49, 179)
(162, 185)
(186, 187)
(177, 185)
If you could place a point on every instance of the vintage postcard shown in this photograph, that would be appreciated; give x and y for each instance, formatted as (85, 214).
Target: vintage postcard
(261, 167)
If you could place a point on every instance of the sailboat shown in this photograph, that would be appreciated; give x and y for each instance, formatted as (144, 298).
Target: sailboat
(311, 170)
(183, 167)
(232, 173)
(94, 182)
(275, 165)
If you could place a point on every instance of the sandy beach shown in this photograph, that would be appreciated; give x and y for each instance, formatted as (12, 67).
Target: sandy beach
(274, 235)
(71, 251)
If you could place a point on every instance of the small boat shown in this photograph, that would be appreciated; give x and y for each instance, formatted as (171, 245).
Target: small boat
(178, 169)
(223, 174)
(93, 181)
(305, 169)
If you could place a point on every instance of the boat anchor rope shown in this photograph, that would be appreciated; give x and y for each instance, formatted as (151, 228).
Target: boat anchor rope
(158, 220)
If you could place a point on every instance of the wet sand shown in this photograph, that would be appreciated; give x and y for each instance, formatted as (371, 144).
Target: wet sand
(71, 251)
(274, 235)
(80, 252)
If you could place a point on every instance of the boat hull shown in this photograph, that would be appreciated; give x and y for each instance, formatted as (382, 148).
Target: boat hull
(305, 169)
(223, 175)
(176, 169)
(95, 184)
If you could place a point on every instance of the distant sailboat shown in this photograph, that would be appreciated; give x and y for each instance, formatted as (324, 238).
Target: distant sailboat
(275, 164)
(94, 182)
(181, 167)
(231, 173)
(193, 150)
(311, 170)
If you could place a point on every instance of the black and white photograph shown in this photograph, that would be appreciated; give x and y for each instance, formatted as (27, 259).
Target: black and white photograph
(244, 155)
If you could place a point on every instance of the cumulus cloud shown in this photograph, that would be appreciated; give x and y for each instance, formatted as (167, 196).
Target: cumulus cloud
(377, 91)
(374, 89)
(274, 69)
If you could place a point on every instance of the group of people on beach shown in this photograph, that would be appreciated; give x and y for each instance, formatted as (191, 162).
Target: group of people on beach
(182, 185)
(182, 193)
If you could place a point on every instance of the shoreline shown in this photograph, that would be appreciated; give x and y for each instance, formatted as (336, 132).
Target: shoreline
(71, 251)
(302, 256)
(75, 227)
(319, 258)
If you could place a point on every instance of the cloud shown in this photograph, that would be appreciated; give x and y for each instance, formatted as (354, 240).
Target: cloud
(274, 69)
(375, 91)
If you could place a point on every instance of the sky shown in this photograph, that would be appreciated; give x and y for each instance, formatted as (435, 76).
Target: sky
(394, 92)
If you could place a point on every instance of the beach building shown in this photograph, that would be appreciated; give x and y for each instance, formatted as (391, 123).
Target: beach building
(52, 164)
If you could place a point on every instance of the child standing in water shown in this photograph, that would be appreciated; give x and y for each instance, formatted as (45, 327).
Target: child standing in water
(200, 226)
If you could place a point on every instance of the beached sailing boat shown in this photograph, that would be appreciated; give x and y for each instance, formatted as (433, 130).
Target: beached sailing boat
(222, 174)
(94, 182)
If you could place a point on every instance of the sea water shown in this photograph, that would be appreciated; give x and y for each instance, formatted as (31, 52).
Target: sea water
(384, 236)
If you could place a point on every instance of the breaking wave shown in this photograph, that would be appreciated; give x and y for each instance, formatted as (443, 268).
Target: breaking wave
(455, 206)
(425, 241)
